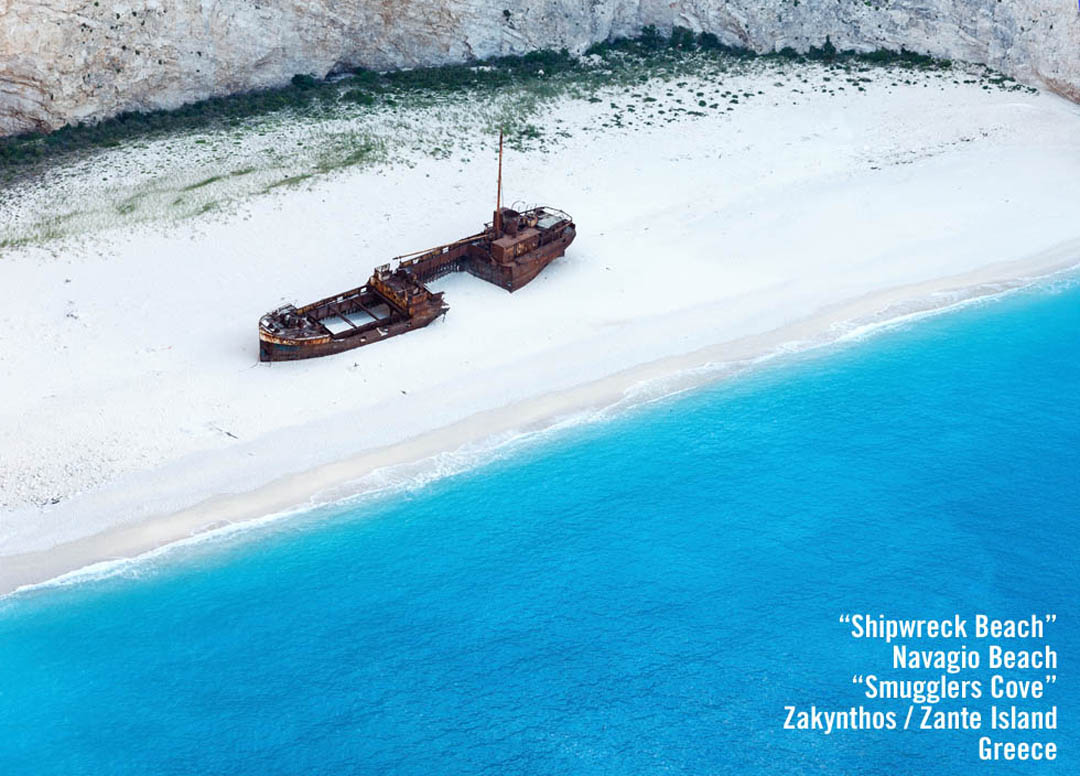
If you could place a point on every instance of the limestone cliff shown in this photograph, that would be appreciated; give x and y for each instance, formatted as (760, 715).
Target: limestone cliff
(69, 60)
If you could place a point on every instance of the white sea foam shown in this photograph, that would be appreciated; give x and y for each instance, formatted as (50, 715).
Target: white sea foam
(387, 481)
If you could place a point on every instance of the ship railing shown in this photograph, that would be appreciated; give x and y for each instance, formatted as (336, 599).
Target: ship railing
(411, 259)
(554, 211)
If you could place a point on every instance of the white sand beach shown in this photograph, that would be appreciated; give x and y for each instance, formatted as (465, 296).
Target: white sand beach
(134, 411)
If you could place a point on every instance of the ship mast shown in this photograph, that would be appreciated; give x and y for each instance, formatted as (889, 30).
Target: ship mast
(498, 191)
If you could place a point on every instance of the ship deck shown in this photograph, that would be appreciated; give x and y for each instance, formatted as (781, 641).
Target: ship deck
(397, 299)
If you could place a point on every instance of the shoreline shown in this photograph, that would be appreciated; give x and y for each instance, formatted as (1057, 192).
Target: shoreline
(138, 415)
(492, 429)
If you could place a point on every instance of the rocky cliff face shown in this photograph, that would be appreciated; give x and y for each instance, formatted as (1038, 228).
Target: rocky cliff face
(70, 60)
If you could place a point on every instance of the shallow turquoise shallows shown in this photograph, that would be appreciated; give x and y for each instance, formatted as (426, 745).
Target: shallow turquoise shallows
(641, 596)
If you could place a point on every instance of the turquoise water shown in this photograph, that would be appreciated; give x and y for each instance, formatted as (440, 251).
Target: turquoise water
(642, 596)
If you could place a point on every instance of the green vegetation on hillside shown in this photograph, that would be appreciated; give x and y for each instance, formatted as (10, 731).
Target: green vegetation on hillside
(539, 73)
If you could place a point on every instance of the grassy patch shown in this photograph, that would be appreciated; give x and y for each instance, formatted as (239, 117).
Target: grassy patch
(541, 73)
(276, 138)
(290, 181)
(204, 182)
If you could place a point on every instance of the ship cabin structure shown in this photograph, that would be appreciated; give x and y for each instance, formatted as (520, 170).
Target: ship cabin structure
(511, 250)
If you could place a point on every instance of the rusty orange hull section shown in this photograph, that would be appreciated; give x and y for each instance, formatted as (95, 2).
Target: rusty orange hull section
(284, 349)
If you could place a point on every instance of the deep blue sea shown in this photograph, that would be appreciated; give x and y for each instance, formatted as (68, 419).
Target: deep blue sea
(638, 596)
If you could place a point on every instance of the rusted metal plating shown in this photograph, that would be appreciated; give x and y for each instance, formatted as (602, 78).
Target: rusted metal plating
(510, 252)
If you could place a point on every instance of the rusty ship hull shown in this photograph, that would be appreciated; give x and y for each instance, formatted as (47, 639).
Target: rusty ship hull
(509, 253)
(380, 320)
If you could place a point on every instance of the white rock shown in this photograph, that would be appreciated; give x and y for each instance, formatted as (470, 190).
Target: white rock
(71, 60)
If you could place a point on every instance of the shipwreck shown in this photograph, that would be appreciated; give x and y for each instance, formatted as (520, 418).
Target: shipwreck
(509, 252)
